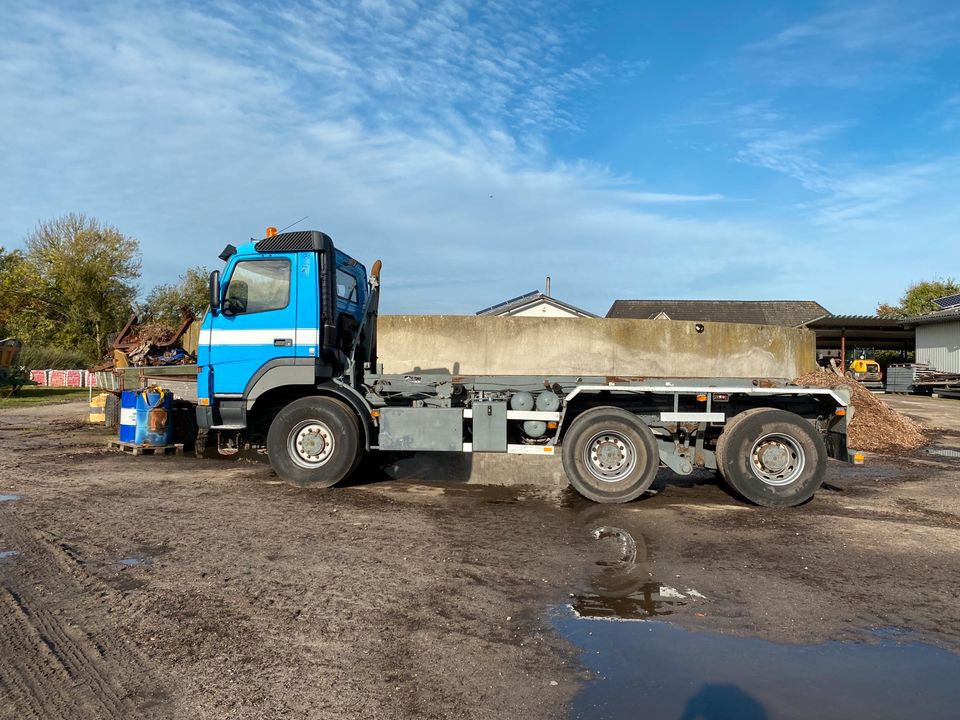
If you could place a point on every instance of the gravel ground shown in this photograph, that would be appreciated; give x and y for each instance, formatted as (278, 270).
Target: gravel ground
(177, 587)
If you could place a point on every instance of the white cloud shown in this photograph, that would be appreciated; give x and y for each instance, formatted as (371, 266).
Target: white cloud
(868, 44)
(405, 132)
(418, 134)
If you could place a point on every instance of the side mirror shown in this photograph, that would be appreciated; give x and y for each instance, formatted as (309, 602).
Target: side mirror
(215, 290)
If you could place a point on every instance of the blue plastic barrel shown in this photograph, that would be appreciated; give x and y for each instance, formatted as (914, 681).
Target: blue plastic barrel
(154, 426)
(128, 416)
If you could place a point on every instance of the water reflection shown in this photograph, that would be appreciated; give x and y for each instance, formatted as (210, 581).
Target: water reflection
(620, 585)
(944, 452)
(669, 672)
(718, 701)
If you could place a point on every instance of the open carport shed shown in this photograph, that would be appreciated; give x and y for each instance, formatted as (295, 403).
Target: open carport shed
(839, 332)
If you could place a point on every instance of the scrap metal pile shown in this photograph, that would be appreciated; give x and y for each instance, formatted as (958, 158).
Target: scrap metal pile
(876, 426)
(150, 344)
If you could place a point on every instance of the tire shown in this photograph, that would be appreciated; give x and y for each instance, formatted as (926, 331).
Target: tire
(184, 425)
(314, 442)
(111, 411)
(772, 457)
(200, 442)
(610, 455)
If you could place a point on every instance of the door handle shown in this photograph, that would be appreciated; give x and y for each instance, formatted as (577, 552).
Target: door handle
(283, 342)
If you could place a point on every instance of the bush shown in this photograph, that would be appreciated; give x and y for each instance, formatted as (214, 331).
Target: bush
(38, 357)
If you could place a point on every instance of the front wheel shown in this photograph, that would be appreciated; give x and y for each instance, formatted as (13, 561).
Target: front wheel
(610, 455)
(314, 442)
(772, 457)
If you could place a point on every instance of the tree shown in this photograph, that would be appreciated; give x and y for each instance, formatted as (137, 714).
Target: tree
(85, 287)
(918, 298)
(164, 301)
(23, 306)
(11, 271)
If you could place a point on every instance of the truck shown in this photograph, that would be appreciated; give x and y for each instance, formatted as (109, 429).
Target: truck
(287, 360)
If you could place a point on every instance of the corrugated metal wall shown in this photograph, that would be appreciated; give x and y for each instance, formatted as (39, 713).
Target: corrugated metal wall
(939, 345)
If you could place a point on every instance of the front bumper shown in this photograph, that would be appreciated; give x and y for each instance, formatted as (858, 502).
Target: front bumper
(226, 414)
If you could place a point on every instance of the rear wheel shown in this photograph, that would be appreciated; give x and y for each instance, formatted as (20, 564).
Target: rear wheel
(609, 455)
(772, 457)
(314, 442)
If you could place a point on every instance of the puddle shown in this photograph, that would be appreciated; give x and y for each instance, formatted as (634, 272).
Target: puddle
(645, 666)
(135, 561)
(7, 498)
(675, 673)
(944, 451)
(4, 554)
(646, 600)
(621, 586)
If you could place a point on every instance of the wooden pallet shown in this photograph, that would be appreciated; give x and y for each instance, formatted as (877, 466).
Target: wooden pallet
(134, 449)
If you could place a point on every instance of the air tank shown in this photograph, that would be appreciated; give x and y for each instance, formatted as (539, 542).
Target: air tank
(534, 428)
(521, 401)
(547, 401)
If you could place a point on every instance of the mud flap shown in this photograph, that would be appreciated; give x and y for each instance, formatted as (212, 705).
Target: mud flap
(836, 443)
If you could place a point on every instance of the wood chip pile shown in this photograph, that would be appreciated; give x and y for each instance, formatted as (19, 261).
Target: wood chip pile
(876, 426)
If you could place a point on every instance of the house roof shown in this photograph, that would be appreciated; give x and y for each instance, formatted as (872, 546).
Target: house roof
(521, 302)
(948, 315)
(788, 313)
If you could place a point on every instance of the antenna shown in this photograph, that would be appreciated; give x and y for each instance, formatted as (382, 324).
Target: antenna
(295, 223)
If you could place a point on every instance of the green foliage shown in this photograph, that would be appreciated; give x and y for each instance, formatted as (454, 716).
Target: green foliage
(918, 298)
(42, 395)
(74, 284)
(164, 301)
(22, 307)
(887, 357)
(42, 357)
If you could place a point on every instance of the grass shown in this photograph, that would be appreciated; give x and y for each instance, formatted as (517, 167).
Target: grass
(40, 395)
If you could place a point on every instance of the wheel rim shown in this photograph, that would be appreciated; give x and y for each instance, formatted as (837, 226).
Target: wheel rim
(311, 444)
(777, 459)
(610, 456)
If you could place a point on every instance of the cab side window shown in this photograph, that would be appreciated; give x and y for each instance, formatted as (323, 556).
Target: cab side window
(258, 286)
(346, 286)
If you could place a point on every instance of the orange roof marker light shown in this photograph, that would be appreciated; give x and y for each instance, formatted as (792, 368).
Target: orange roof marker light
(271, 231)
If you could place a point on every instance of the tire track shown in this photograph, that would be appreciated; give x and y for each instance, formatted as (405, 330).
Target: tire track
(60, 655)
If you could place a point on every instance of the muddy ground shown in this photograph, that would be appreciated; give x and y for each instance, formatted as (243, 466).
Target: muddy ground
(185, 588)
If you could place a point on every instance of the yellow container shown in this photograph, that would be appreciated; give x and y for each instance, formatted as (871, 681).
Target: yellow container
(97, 413)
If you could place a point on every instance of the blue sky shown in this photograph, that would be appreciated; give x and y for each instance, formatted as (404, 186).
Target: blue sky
(740, 150)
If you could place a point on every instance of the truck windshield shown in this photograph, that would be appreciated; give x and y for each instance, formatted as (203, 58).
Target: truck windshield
(258, 286)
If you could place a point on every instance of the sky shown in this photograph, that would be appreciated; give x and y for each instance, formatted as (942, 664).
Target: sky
(629, 150)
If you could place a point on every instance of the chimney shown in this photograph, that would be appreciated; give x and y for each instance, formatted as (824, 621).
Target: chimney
(547, 293)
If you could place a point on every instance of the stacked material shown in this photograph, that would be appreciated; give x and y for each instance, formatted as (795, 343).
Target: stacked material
(876, 426)
(918, 377)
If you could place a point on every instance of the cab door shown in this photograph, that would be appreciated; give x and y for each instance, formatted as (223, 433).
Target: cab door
(257, 321)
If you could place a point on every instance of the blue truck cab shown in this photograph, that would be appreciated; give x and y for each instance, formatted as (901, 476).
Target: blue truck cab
(284, 317)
